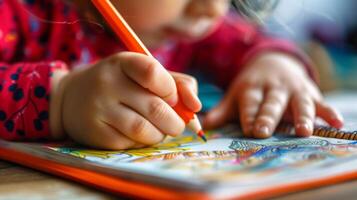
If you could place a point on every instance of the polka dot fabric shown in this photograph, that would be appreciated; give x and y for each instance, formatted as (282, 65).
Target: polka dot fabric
(40, 36)
(24, 111)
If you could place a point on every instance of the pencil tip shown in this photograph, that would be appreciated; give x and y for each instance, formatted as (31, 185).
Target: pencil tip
(204, 138)
(202, 135)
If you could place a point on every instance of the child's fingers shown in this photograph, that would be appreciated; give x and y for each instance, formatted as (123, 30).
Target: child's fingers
(186, 90)
(270, 112)
(329, 114)
(109, 138)
(219, 115)
(135, 127)
(190, 80)
(249, 102)
(139, 146)
(149, 74)
(303, 108)
(154, 109)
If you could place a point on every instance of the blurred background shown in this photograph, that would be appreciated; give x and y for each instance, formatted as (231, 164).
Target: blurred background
(327, 30)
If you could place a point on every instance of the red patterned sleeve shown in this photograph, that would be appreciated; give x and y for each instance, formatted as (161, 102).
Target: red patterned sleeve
(25, 94)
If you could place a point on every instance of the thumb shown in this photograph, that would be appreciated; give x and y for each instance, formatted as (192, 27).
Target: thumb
(219, 115)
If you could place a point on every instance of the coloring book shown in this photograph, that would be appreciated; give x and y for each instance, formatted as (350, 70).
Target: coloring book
(227, 166)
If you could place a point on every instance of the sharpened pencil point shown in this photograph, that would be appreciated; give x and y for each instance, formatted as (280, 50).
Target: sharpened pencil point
(202, 135)
(204, 138)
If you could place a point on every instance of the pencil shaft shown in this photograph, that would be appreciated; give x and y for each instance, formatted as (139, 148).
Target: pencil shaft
(120, 27)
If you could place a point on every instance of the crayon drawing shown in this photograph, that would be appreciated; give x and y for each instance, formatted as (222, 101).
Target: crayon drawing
(169, 145)
(228, 158)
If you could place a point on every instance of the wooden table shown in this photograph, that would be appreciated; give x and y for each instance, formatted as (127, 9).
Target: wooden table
(17, 182)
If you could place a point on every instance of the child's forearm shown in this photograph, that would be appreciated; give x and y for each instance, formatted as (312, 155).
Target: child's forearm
(56, 125)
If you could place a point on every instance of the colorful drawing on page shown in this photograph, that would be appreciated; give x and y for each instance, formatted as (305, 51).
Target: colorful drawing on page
(188, 155)
(276, 156)
(169, 145)
(248, 158)
(226, 157)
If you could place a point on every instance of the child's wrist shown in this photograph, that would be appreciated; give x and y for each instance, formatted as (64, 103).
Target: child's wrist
(284, 60)
(57, 91)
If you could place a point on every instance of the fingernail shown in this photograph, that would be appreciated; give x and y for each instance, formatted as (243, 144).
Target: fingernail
(304, 128)
(264, 131)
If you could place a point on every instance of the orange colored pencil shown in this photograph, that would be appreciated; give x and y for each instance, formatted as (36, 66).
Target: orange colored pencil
(133, 43)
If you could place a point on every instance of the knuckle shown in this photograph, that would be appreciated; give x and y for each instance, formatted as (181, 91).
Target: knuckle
(272, 106)
(265, 119)
(325, 106)
(157, 110)
(306, 109)
(252, 100)
(303, 100)
(307, 113)
(277, 97)
(102, 75)
(274, 83)
(116, 58)
(272, 109)
(249, 93)
(150, 73)
(303, 119)
(191, 80)
(139, 128)
(193, 83)
(249, 111)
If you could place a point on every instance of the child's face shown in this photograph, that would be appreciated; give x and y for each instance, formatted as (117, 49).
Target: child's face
(156, 21)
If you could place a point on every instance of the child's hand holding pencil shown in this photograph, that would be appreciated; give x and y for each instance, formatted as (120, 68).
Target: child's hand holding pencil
(123, 103)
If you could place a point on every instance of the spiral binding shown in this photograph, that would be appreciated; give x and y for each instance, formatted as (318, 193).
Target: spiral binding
(321, 131)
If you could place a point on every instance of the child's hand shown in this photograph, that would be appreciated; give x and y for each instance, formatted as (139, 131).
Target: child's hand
(124, 102)
(272, 86)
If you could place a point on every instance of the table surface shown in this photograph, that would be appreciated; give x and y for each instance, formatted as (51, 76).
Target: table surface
(17, 182)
